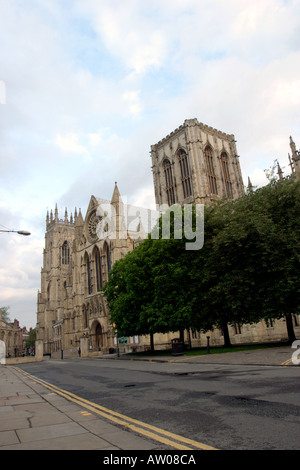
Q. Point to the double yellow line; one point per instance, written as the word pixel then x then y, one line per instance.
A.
pixel 286 363
pixel 147 430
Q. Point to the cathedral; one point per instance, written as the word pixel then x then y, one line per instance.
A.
pixel 194 164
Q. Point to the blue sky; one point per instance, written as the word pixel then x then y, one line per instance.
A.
pixel 91 85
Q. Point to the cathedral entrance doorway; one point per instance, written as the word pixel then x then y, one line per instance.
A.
pixel 99 339
pixel 97 335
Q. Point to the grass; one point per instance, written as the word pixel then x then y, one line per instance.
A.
pixel 213 350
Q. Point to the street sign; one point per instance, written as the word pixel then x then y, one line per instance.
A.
pixel 123 340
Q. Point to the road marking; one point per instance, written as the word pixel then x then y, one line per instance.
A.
pixel 150 431
pixel 286 363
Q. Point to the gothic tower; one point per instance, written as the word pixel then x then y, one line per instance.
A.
pixel 195 164
pixel 56 275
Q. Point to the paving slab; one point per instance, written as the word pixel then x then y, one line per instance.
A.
pixel 8 438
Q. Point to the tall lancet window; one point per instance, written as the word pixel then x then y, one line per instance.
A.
pixel 65 253
pixel 185 174
pixel 226 174
pixel 88 271
pixel 108 258
pixel 98 269
pixel 210 170
pixel 169 182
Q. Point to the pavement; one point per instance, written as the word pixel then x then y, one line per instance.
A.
pixel 35 417
pixel 274 356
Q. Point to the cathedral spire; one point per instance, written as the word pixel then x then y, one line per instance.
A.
pixel 56 213
pixel 295 158
pixel 250 186
pixel 117 219
pixel 291 163
pixel 79 218
pixel 116 197
pixel 279 171
pixel 293 147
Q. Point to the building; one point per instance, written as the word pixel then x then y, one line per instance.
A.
pixel 195 164
pixel 11 339
pixel 78 254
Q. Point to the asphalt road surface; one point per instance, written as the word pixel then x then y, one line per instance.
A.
pixel 226 406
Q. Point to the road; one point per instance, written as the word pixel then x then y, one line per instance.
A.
pixel 226 406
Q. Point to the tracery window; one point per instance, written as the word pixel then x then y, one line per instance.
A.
pixel 65 253
pixel 226 175
pixel 185 173
pixel 169 182
pixel 89 274
pixel 108 258
pixel 210 170
pixel 99 279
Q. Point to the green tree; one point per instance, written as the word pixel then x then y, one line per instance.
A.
pixel 147 290
pixel 30 342
pixel 252 269
pixel 128 291
pixel 5 313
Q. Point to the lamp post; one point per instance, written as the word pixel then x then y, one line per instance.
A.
pixel 20 232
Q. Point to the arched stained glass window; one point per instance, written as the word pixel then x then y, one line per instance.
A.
pixel 210 170
pixel 226 174
pixel 88 274
pixel 185 174
pixel 99 279
pixel 169 182
pixel 108 258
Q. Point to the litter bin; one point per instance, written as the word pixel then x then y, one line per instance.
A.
pixel 177 347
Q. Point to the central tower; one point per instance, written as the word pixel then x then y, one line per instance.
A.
pixel 196 164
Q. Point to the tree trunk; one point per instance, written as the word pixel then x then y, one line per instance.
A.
pixel 290 328
pixel 152 342
pixel 227 343
pixel 189 338
pixel 181 336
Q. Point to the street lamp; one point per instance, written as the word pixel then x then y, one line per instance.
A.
pixel 20 232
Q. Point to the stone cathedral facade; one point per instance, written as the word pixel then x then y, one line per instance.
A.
pixel 195 164
pixel 79 253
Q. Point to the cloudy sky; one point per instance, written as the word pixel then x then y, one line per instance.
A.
pixel 87 86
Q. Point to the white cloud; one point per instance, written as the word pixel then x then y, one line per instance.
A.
pixel 132 98
pixel 69 143
pixel 128 34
